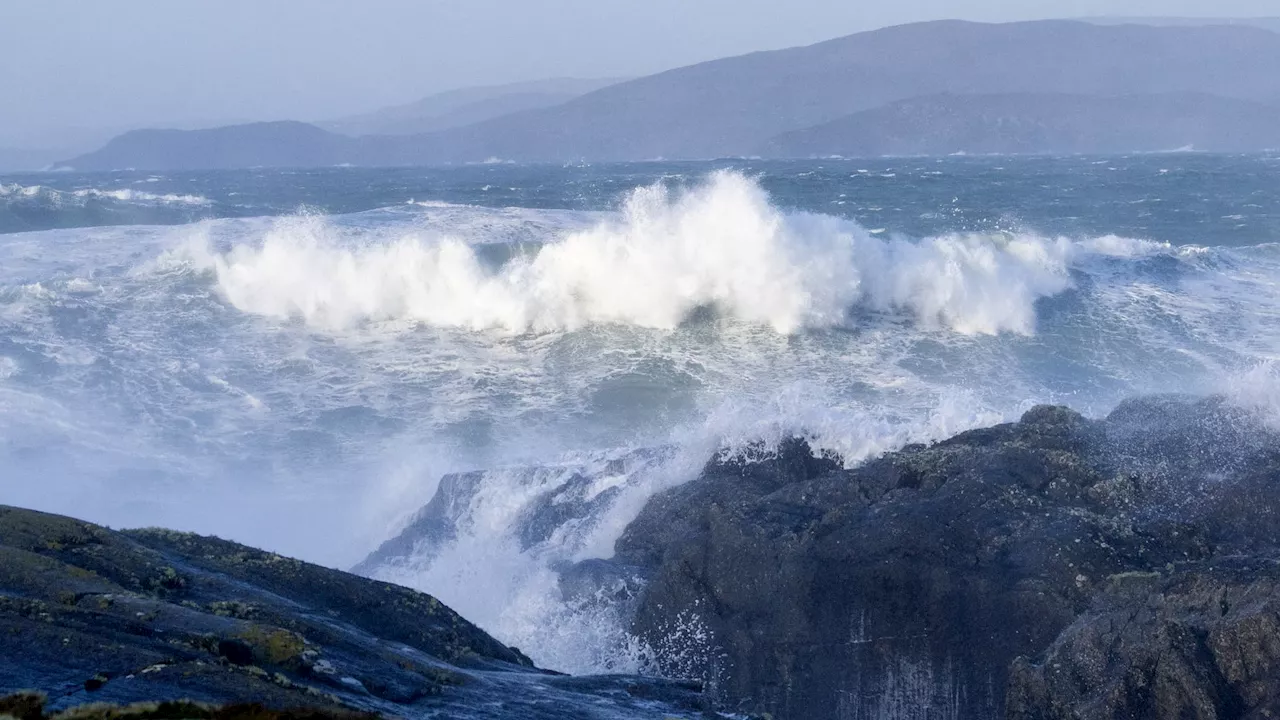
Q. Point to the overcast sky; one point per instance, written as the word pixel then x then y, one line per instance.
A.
pixel 113 63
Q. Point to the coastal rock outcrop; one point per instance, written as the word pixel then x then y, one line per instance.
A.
pixel 1056 567
pixel 89 615
pixel 938 582
pixel 1200 643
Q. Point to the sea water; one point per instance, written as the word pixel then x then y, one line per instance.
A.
pixel 294 359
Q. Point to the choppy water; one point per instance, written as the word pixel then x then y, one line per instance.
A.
pixel 293 359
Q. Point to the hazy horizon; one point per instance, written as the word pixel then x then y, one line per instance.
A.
pixel 113 65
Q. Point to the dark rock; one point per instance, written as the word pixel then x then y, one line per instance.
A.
pixel 566 494
pixel 601 581
pixel 908 587
pixel 1203 642
pixel 23 706
pixel 237 652
pixel 30 706
pixel 431 528
pixel 158 616
pixel 96 682
pixel 384 610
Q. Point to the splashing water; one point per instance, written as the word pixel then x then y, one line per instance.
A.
pixel 305 382
pixel 721 245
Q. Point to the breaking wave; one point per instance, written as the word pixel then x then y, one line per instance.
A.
pixel 304 383
pixel 721 246
pixel 38 207
pixel 514 530
pixel 39 193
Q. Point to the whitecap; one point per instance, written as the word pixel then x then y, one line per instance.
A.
pixel 721 245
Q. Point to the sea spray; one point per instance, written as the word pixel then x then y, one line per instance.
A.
pixel 721 245
pixel 303 382
pixel 511 531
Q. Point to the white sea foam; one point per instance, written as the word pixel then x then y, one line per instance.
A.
pixel 1256 389
pixel 152 392
pixel 79 197
pixel 721 245
pixel 430 203
pixel 25 191
pixel 130 195
pixel 1123 247
pixel 522 602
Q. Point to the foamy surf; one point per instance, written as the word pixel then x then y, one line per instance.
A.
pixel 721 246
pixel 14 192
pixel 304 382
pixel 499 539
pixel 41 207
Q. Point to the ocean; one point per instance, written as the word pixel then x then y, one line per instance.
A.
pixel 294 359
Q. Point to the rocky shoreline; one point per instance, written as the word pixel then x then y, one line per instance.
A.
pixel 90 615
pixel 1053 568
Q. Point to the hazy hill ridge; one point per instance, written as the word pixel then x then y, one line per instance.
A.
pixel 1022 123
pixel 754 104
pixel 466 106
pixel 1266 23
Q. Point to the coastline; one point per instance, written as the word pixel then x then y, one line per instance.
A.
pixel 1052 567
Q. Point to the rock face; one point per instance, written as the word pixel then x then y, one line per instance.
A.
pixel 558 495
pixel 1203 643
pixel 990 575
pixel 31 706
pixel 92 615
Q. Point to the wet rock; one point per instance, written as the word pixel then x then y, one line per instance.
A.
pixel 558 497
pixel 431 528
pixel 911 586
pixel 30 706
pixel 601 581
pixel 27 705
pixel 1201 642
pixel 236 651
pixel 92 615
pixel 96 682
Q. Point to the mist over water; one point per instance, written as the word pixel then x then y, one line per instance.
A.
pixel 302 380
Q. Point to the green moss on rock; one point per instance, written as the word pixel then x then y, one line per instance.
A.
pixel 273 645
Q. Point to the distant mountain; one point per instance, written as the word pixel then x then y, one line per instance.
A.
pixel 271 144
pixel 738 106
pixel 37 148
pixel 466 106
pixel 1040 123
pixel 1266 23
pixel 732 106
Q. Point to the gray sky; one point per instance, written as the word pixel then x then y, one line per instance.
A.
pixel 117 63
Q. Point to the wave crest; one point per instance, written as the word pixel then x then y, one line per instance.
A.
pixel 57 198
pixel 721 245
